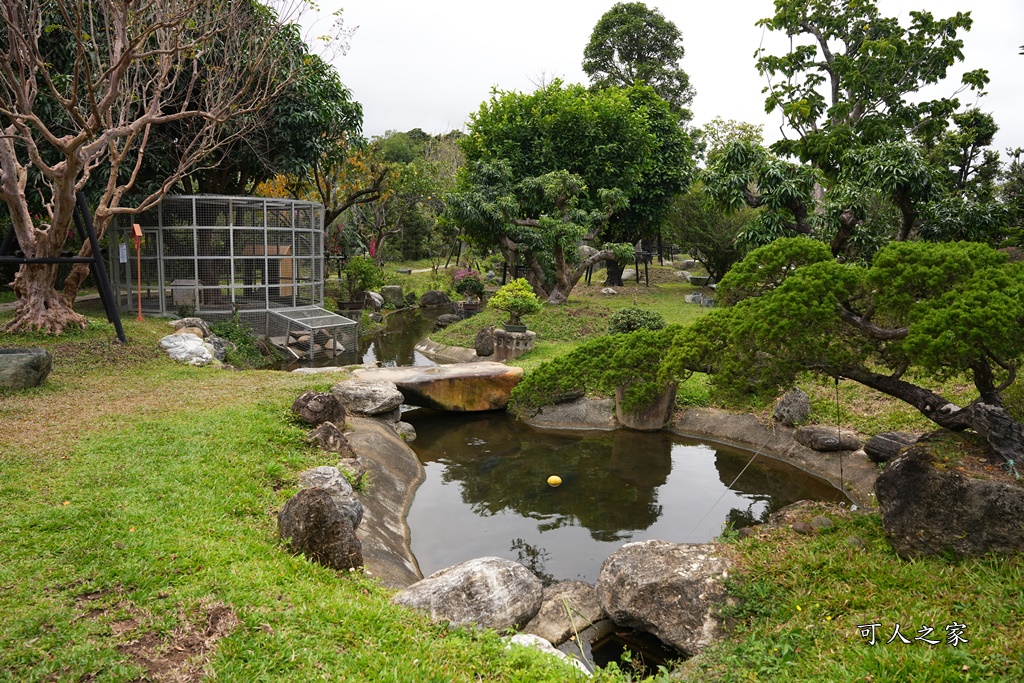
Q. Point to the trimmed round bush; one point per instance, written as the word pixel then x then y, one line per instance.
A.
pixel 633 318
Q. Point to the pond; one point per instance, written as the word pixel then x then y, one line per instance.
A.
pixel 393 345
pixel 485 492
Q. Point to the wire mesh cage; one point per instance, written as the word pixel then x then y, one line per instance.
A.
pixel 312 333
pixel 216 256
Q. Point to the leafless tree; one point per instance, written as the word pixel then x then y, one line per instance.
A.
pixel 128 66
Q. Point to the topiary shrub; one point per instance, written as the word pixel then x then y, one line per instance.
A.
pixel 517 299
pixel 633 318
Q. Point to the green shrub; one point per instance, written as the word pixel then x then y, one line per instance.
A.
pixel 361 275
pixel 633 318
pixel 246 353
pixel 517 299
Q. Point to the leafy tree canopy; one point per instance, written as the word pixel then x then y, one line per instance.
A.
pixel 633 43
pixel 881 163
pixel 852 76
pixel 548 169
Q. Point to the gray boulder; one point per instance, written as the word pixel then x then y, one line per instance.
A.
pixel 490 592
pixel 434 297
pixel 220 346
pixel 331 479
pixel 793 408
pixel 393 295
pixel 670 590
pixel 628 274
pixel 22 368
pixel 315 408
pixel 827 439
pixel 329 438
pixel 887 445
pixel 406 432
pixel 931 511
pixel 567 608
pixel 484 342
pixel 188 348
pixel 312 524
pixel 368 396
pixel 375 299
pixel 444 320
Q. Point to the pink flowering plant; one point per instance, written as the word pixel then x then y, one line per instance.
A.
pixel 468 282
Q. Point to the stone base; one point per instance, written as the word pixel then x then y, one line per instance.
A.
pixel 509 345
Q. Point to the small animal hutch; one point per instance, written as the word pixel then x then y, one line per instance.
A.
pixel 217 256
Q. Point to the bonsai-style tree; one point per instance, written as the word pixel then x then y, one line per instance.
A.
pixel 517 299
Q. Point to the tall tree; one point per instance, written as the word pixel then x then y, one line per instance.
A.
pixel 631 43
pixel 848 92
pixel 83 84
pixel 563 164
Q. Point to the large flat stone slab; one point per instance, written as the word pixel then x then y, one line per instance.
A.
pixel 459 387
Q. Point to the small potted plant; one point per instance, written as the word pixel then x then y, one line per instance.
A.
pixel 470 285
pixel 517 299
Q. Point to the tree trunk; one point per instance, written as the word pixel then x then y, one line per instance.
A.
pixel 1004 434
pixel 40 306
pixel 613 274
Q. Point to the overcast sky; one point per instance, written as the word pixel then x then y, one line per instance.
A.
pixel 429 63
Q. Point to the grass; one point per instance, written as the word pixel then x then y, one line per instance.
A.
pixel 139 504
pixel 801 600
pixel 138 529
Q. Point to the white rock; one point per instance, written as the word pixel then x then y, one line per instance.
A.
pixel 187 348
pixel 538 643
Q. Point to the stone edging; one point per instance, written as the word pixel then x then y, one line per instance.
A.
pixel 446 354
pixel 394 473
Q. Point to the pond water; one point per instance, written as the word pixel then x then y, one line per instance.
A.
pixel 485 492
pixel 395 344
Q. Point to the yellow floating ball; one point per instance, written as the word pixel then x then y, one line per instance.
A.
pixel 554 480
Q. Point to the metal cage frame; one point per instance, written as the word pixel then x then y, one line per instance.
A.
pixel 221 256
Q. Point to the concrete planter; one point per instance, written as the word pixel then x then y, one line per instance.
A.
pixel 652 417
pixel 21 368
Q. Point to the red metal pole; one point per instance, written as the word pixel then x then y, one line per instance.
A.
pixel 137 233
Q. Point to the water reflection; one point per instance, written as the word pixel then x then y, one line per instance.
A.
pixel 395 344
pixel 486 492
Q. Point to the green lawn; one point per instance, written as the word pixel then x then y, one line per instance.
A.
pixel 138 531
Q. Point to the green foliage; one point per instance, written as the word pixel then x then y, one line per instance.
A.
pixel 548 169
pixel 767 267
pixel 707 232
pixel 599 366
pixel 634 318
pixel 632 43
pixel 246 354
pixel 946 310
pixel 467 281
pixel 515 298
pixel 361 276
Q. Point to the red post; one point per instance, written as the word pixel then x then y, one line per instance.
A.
pixel 137 234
